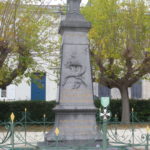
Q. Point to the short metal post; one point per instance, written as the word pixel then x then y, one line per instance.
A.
pixel 116 132
pixel 25 126
pixel 147 139
pixel 99 114
pixel 44 117
pixel 57 134
pixel 12 117
pixel 12 136
pixel 132 115
pixel 56 141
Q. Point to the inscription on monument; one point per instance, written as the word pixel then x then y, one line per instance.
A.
pixel 75 96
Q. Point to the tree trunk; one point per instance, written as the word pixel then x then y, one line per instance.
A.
pixel 125 105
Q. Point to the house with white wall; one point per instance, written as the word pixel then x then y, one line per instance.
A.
pixel 31 91
pixel 28 89
pixel 49 91
pixel 139 90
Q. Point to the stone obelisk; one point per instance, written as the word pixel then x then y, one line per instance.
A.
pixel 75 113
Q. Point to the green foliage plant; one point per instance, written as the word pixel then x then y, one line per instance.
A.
pixel 36 109
pixel 119 44
pixel 27 39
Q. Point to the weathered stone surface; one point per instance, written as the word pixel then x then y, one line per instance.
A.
pixel 75 113
pixel 75 126
pixel 77 147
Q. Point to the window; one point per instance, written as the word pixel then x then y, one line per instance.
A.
pixel 136 90
pixel 38 86
pixel 3 92
pixel 103 91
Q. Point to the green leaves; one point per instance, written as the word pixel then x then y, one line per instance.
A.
pixel 27 31
pixel 120 31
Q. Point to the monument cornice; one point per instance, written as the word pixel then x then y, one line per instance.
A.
pixel 74 19
pixel 75 25
pixel 71 109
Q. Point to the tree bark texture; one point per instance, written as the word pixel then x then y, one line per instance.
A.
pixel 125 104
pixel 21 67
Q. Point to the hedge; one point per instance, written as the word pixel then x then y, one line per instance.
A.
pixel 36 109
pixel 141 108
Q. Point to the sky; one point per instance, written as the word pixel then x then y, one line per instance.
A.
pixel 56 2
pixel 51 2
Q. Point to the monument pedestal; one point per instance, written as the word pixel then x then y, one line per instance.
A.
pixel 74 125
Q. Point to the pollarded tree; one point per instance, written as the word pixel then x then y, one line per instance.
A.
pixel 120 44
pixel 25 31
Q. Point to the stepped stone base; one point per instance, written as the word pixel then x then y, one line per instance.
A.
pixel 77 129
pixel 74 125
pixel 78 145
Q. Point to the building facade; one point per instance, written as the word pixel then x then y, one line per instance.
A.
pixel 139 90
pixel 46 87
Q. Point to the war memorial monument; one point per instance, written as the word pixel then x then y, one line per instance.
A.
pixel 75 113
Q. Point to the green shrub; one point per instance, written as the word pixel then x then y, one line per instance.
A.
pixel 141 108
pixel 36 109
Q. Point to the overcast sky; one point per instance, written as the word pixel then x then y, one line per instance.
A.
pixel 50 2
pixel 56 2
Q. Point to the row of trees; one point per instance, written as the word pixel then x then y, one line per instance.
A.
pixel 119 42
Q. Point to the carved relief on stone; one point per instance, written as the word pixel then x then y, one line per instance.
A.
pixel 75 70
